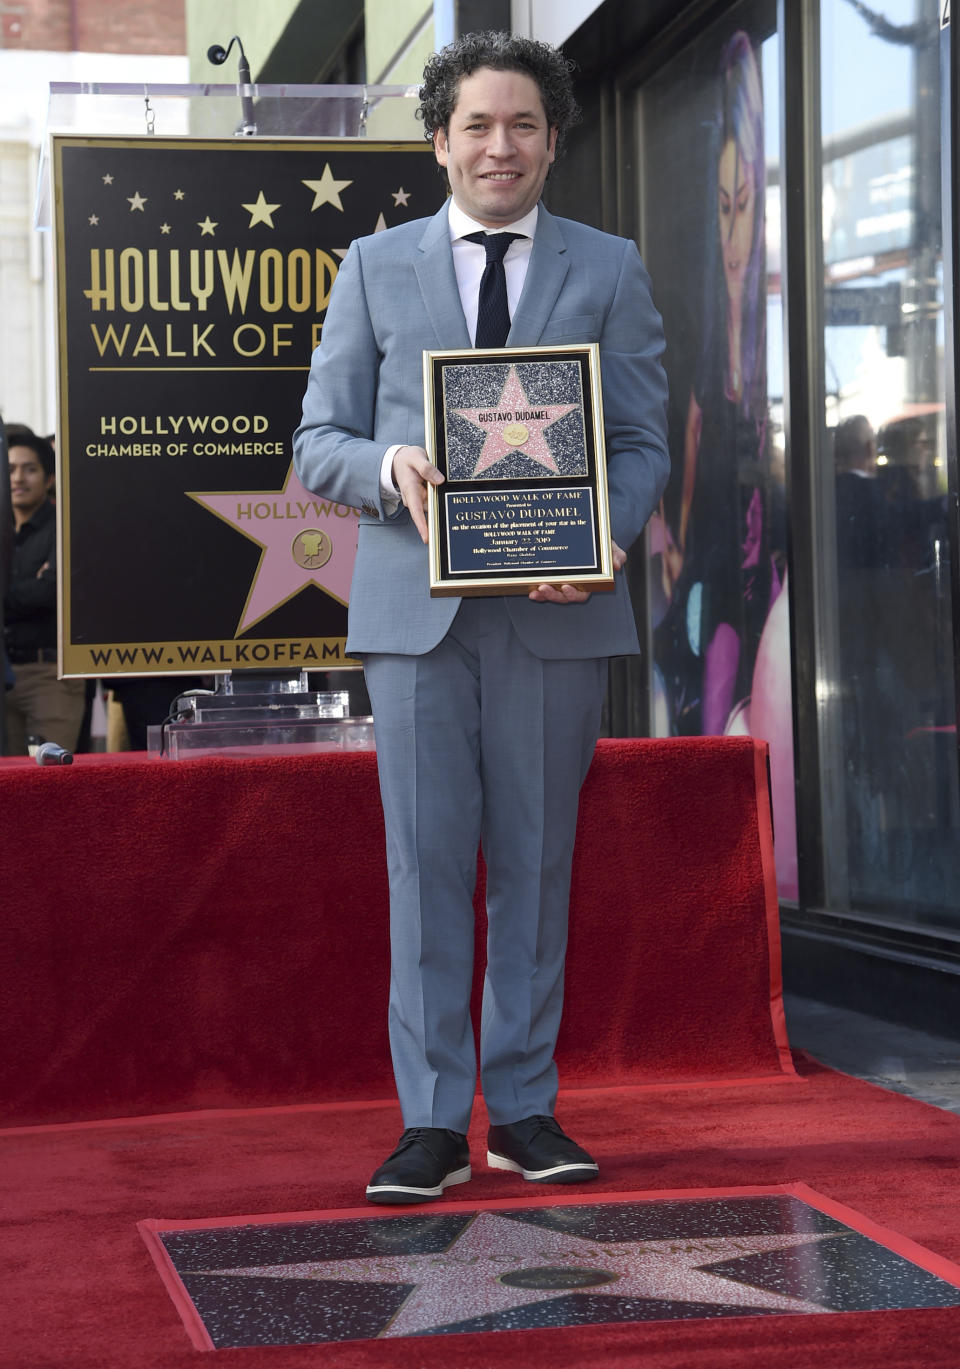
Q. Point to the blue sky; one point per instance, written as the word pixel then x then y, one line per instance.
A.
pixel 863 77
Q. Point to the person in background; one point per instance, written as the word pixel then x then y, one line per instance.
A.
pixel 6 558
pixel 859 495
pixel 38 704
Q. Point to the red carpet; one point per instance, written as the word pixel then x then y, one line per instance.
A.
pixel 80 1289
pixel 212 934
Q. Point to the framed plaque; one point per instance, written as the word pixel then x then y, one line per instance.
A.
pixel 518 436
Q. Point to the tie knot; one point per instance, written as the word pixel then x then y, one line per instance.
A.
pixel 494 244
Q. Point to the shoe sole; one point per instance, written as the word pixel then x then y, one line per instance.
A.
pixel 399 1193
pixel 557 1174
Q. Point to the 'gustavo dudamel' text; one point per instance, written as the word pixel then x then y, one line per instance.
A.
pixel 553 512
pixel 269 281
pixel 508 506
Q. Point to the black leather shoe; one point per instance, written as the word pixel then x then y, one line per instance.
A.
pixel 540 1151
pixel 426 1161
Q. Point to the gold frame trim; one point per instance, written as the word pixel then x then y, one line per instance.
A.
pixel 600 579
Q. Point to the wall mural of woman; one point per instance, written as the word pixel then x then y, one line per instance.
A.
pixel 721 536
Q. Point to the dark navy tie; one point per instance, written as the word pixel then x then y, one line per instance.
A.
pixel 493 316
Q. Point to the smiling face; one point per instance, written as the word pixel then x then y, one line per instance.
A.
pixel 498 147
pixel 29 483
pixel 735 216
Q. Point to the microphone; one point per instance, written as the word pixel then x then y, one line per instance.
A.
pixel 49 753
pixel 218 54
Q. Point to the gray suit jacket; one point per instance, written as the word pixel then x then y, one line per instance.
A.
pixel 396 296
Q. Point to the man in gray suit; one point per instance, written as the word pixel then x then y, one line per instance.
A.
pixel 486 710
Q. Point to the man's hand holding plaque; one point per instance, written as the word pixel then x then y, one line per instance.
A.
pixel 413 472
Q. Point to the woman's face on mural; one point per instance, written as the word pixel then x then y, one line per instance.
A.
pixel 735 214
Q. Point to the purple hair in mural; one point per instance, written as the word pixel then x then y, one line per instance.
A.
pixel 740 127
pixel 724 579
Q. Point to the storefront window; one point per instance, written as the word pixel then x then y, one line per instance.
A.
pixel 886 678
pixel 709 129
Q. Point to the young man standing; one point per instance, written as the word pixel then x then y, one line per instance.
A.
pixel 486 710
pixel 38 704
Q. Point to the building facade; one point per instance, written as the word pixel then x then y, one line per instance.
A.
pixel 788 168
pixel 41 42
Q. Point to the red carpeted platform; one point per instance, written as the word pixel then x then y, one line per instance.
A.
pixel 213 933
pixel 182 938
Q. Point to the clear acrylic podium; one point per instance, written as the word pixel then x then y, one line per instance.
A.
pixel 263 713
pixel 386 113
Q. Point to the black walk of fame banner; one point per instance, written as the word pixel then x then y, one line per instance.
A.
pixel 193 280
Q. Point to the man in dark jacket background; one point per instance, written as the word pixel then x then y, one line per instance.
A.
pixel 38 704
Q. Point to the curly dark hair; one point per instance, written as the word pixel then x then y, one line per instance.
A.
pixel 500 52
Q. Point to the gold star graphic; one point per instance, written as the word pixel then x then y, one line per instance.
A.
pixel 206 227
pixel 400 196
pixel 381 224
pixel 178 194
pixel 327 190
pixel 260 211
pixel 136 201
pixel 164 228
pixel 93 221
pixel 108 179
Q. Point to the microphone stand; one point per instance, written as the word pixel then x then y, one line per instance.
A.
pixel 218 55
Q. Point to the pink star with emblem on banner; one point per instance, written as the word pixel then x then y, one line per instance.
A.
pixel 304 540
pixel 514 424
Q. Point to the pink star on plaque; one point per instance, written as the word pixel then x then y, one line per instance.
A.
pixel 305 540
pixel 513 424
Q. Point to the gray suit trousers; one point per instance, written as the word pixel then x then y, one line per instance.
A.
pixel 479 741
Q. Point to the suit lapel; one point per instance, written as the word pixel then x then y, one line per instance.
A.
pixel 438 284
pixel 546 273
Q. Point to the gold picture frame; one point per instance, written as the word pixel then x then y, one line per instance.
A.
pixel 518 435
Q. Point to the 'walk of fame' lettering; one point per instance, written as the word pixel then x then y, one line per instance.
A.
pixel 248 339
pixel 146 342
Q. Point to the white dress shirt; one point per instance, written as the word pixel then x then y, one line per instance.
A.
pixel 469 259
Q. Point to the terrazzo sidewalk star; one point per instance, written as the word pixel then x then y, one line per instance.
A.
pixel 502 1268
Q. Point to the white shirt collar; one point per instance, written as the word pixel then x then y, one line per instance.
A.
pixel 461 224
